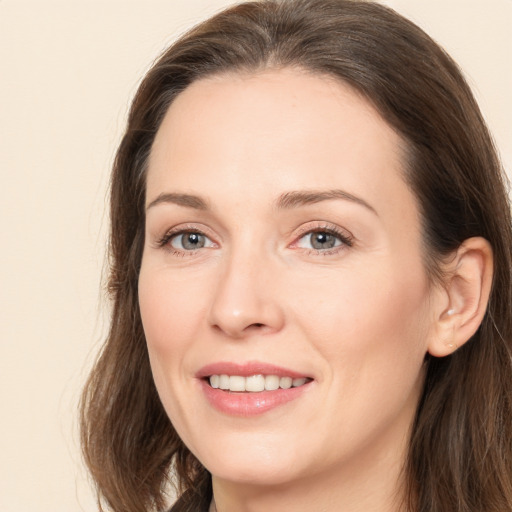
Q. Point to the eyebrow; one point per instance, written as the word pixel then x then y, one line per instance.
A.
pixel 286 201
pixel 186 200
pixel 305 197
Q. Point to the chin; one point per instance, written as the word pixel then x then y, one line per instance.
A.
pixel 263 464
pixel 254 473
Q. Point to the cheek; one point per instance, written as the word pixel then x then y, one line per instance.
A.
pixel 371 320
pixel 169 308
pixel 170 313
pixel 372 331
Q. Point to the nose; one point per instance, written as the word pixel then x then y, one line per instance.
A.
pixel 245 301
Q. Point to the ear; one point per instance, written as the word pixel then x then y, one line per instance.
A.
pixel 465 296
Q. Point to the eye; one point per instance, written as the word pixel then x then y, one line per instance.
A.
pixel 322 240
pixel 189 241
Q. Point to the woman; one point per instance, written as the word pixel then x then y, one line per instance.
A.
pixel 310 275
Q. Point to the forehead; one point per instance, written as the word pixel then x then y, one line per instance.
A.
pixel 276 130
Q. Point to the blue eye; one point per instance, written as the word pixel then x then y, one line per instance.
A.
pixel 189 241
pixel 322 240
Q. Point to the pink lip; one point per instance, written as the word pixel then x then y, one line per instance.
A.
pixel 248 404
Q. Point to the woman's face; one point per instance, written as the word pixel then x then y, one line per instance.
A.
pixel 283 248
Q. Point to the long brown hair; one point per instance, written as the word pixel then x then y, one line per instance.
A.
pixel 460 453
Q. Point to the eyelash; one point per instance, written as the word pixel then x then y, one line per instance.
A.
pixel 345 239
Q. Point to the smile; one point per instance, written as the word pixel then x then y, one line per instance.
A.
pixel 251 388
pixel 254 383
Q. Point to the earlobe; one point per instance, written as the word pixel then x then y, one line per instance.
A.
pixel 467 286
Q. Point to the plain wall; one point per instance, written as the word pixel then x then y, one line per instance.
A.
pixel 68 71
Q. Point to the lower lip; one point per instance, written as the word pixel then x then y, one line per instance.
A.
pixel 250 404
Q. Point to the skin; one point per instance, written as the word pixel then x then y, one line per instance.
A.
pixel 358 318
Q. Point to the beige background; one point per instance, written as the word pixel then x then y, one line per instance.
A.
pixel 68 70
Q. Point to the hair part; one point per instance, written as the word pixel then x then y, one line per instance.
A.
pixel 460 454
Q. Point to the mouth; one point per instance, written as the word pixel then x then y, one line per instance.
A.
pixel 252 388
pixel 254 383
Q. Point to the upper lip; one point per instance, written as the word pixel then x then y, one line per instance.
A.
pixel 247 369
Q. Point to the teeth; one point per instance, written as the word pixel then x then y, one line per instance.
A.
pixel 224 381
pixel 236 383
pixel 271 382
pixel 285 382
pixel 214 381
pixel 254 383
